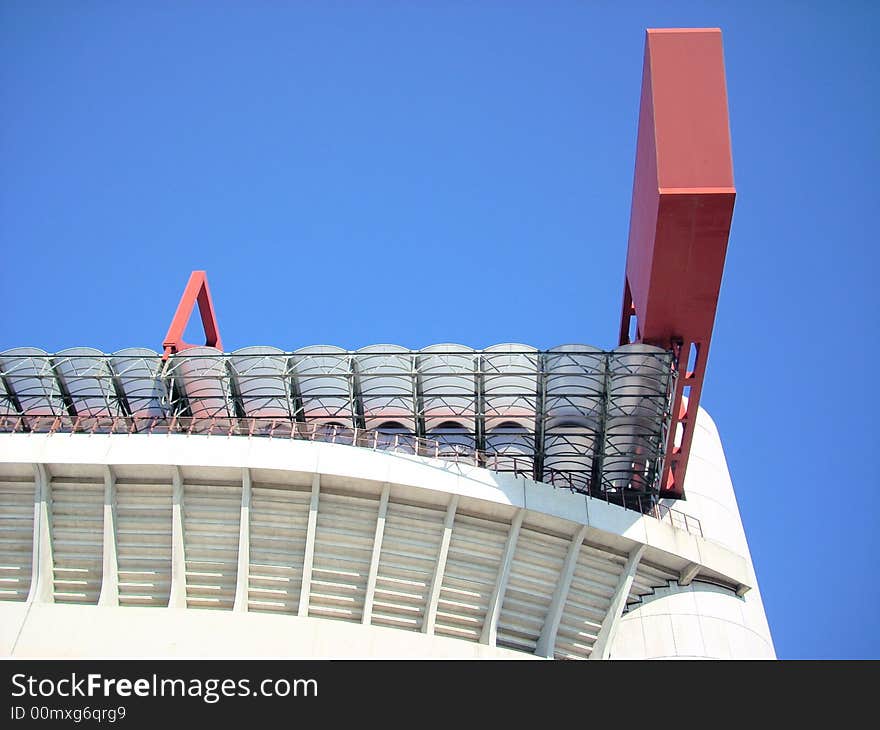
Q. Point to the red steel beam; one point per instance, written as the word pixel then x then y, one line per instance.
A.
pixel 682 206
pixel 196 292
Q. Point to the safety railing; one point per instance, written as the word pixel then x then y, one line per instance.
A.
pixel 518 465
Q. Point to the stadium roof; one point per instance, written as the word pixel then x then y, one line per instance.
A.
pixel 573 416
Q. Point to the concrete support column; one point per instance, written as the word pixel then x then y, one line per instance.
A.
pixel 242 577
pixel 547 639
pixel 177 599
pixel 309 557
pixel 374 559
pixel 688 573
pixel 110 570
pixel 490 626
pixel 440 568
pixel 602 647
pixel 42 588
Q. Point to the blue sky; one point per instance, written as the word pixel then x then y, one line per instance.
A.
pixel 411 173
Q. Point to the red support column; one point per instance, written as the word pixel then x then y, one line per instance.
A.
pixel 682 206
pixel 196 292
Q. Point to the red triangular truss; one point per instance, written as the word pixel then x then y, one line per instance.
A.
pixel 196 291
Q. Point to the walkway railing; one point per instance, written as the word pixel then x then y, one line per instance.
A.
pixel 519 465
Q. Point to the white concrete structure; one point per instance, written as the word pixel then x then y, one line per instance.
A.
pixel 690 618
pixel 209 545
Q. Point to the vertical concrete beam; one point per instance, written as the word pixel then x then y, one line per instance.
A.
pixel 42 588
pixel 110 569
pixel 547 639
pixel 177 599
pixel 602 647
pixel 440 568
pixel 688 573
pixel 490 625
pixel 374 560
pixel 309 556
pixel 244 544
pixel 35 539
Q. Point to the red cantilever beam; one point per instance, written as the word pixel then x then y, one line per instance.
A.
pixel 196 292
pixel 682 207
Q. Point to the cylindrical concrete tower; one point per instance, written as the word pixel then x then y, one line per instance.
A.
pixel 694 618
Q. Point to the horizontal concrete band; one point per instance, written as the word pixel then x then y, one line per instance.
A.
pixel 69 631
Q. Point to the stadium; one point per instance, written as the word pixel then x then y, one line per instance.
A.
pixel 446 502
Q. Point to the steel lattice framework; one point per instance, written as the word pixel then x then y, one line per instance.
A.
pixel 573 416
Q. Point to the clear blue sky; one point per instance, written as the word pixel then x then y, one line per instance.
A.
pixel 390 172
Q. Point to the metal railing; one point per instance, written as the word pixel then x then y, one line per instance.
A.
pixel 518 465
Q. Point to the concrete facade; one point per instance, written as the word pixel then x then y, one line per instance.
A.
pixel 700 620
pixel 174 545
